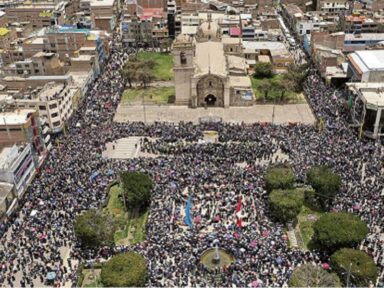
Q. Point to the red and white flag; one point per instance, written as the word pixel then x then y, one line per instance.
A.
pixel 239 205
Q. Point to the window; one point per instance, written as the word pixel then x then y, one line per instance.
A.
pixel 42 108
pixel 54 115
pixel 53 106
pixel 210 83
pixel 183 58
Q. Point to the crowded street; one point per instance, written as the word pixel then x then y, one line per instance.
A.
pixel 39 238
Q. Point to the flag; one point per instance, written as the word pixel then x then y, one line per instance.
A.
pixel 238 213
pixel 188 219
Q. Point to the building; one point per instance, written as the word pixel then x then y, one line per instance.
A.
pixel 41 63
pixel 209 71
pixel 39 14
pixel 103 14
pixel 332 6
pixel 271 51
pixel 329 40
pixel 8 199
pixel 23 127
pixel 17 166
pixel 368 108
pixel 54 101
pixel 366 66
pixel 357 24
pixel 354 42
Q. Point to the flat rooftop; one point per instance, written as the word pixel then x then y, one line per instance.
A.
pixel 368 60
pixel 16 117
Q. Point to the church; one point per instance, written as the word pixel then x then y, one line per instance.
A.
pixel 210 70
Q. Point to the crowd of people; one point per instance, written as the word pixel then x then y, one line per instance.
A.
pixel 39 238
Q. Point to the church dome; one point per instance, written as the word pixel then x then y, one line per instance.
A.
pixel 209 30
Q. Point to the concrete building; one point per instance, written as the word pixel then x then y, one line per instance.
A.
pixel 366 66
pixel 103 14
pixel 54 101
pixel 355 42
pixel 17 166
pixel 368 108
pixel 39 64
pixel 23 127
pixel 357 24
pixel 8 200
pixel 40 14
pixel 210 71
pixel 332 6
pixel 271 51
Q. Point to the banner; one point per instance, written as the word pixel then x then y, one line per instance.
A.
pixel 188 218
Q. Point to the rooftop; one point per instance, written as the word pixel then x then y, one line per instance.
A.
pixel 16 117
pixel 210 58
pixel 5 189
pixel 368 60
pixel 364 36
pixel 97 3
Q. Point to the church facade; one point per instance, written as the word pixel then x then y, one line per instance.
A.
pixel 210 70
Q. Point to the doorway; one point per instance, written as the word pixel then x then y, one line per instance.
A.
pixel 210 100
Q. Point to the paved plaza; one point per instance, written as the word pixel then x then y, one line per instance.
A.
pixel 259 113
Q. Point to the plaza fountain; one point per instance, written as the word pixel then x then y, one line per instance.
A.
pixel 214 258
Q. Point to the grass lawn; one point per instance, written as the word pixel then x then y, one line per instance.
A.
pixel 273 93
pixel 164 64
pixel 96 283
pixel 306 218
pixel 152 95
pixel 132 225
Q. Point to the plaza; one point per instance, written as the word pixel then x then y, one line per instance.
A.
pixel 278 114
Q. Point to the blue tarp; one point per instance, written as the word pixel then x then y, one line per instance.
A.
pixel 188 219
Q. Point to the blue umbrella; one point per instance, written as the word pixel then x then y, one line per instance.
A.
pixel 279 260
pixel 51 276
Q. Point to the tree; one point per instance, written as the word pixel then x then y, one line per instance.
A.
pixel 283 85
pixel 145 76
pixel 333 231
pixel 285 205
pixel 359 264
pixel 136 188
pixel 325 182
pixel 263 70
pixel 309 275
pixel 279 177
pixel 297 74
pixel 264 86
pixel 129 74
pixel 125 270
pixel 95 229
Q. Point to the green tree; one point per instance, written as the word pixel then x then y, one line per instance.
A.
pixel 263 70
pixel 264 86
pixel 94 228
pixel 145 76
pixel 359 264
pixel 125 270
pixel 279 177
pixel 297 74
pixel 333 231
pixel 325 182
pixel 136 189
pixel 285 205
pixel 309 275
pixel 283 85
pixel 129 74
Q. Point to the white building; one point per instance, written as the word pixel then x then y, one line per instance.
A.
pixel 17 166
pixel 54 103
pixel 366 66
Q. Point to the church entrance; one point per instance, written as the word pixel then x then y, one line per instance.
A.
pixel 210 100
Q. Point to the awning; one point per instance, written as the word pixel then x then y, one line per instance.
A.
pixel 47 138
pixel 45 130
